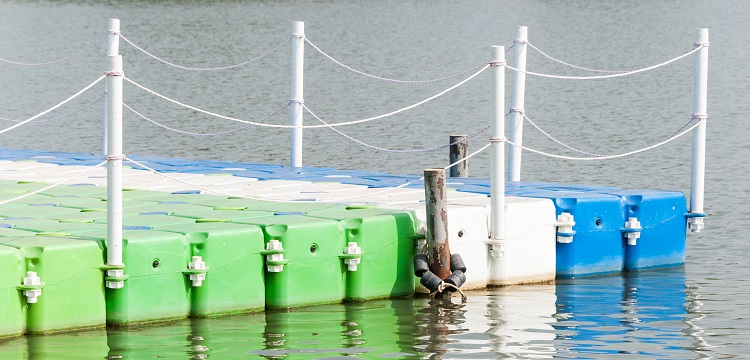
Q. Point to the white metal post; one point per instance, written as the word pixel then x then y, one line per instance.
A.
pixel 497 154
pixel 114 167
pixel 698 172
pixel 516 105
pixel 298 58
pixel 113 48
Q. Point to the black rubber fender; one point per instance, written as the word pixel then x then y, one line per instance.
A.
pixel 430 281
pixel 457 263
pixel 421 264
pixel 457 278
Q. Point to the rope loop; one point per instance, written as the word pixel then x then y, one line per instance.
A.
pixel 298 36
pixel 114 157
pixel 496 63
pixel 114 73
pixel 500 139
pixel 297 101
pixel 112 32
pixel 700 116
pixel 267 53
pixel 443 286
pixel 702 44
pixel 520 111
pixel 524 42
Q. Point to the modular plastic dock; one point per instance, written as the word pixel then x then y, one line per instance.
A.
pixel 289 237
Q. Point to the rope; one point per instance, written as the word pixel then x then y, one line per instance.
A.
pixel 560 142
pixel 610 75
pixel 610 156
pixel 574 66
pixel 392 150
pixel 310 126
pixel 269 52
pixel 56 61
pixel 468 157
pixel 54 107
pixel 204 134
pixel 53 185
pixel 388 79
pixel 63 116
pixel 412 181
pixel 445 285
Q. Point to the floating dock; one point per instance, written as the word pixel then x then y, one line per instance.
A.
pixel 289 237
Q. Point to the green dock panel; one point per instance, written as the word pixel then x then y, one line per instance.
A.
pixel 72 295
pixel 385 238
pixel 156 288
pixel 19 187
pixel 39 210
pixel 221 213
pixel 313 272
pixel 48 227
pixel 234 281
pixel 174 207
pixel 153 220
pixel 12 309
pixel 272 206
pixel 90 191
pixel 9 232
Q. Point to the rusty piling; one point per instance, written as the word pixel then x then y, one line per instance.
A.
pixel 459 149
pixel 436 203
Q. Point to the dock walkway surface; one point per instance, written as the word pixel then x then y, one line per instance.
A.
pixel 206 238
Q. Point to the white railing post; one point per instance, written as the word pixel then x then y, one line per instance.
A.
pixel 497 154
pixel 114 165
pixel 516 105
pixel 298 58
pixel 695 221
pixel 113 48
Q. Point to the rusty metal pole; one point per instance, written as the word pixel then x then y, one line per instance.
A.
pixel 436 202
pixel 459 151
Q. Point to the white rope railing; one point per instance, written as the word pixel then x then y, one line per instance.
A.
pixel 389 79
pixel 310 126
pixel 85 107
pixel 55 184
pixel 556 140
pixel 595 155
pixel 53 62
pixel 54 107
pixel 204 134
pixel 608 157
pixel 571 65
pixel 386 190
pixel 698 47
pixel 269 52
pixel 391 150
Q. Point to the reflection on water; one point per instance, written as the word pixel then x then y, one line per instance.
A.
pixel 642 313
pixel 645 314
